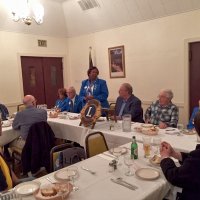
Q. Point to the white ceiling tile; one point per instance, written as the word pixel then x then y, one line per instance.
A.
pixel 145 9
pixel 65 17
pixel 133 10
pixel 171 6
pixel 157 8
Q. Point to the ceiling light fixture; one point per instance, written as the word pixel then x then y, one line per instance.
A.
pixel 27 11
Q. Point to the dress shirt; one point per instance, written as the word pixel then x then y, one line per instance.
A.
pixel 167 114
pixel 122 108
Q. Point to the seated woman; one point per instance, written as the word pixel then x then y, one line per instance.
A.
pixel 194 112
pixel 186 176
pixel 62 102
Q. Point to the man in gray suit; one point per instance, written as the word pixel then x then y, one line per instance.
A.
pixel 24 119
pixel 127 103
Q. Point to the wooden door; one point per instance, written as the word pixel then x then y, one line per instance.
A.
pixel 53 79
pixel 194 75
pixel 42 77
pixel 33 81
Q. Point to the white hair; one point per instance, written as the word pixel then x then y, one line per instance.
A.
pixel 169 94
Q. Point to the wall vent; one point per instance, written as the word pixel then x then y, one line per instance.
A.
pixel 88 4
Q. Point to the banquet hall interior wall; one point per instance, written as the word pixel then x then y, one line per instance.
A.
pixel 155 58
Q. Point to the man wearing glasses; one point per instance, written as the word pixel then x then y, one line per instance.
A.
pixel 163 112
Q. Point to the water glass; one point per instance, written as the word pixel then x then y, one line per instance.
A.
pixel 73 174
pixel 126 123
pixel 147 146
pixel 157 142
pixel 128 161
pixel 180 127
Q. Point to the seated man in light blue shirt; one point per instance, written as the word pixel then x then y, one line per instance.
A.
pixel 74 102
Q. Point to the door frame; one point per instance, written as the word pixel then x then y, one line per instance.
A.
pixel 186 75
pixel 40 55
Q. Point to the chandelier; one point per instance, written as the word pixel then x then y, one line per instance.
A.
pixel 27 11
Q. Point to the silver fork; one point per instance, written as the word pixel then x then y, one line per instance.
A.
pixel 89 170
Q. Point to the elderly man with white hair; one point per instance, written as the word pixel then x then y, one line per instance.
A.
pixel 74 102
pixel 163 112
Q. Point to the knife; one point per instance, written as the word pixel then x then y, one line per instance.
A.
pixel 120 179
pixel 122 183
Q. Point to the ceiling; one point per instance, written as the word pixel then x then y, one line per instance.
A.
pixel 65 18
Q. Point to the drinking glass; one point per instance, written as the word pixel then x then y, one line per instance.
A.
pixel 73 174
pixel 147 146
pixel 126 123
pixel 157 142
pixel 180 127
pixel 128 161
pixel 117 151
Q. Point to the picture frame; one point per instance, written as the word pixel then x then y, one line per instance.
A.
pixel 116 62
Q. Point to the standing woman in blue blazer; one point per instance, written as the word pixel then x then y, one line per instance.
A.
pixel 94 88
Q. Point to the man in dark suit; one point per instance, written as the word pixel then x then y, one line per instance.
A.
pixel 127 103
pixel 187 175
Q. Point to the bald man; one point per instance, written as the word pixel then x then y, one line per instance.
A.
pixel 24 119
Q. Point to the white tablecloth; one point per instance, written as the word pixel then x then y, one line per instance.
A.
pixel 70 129
pixel 99 186
pixel 8 135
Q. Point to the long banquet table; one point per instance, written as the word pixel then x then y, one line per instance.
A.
pixel 70 129
pixel 99 186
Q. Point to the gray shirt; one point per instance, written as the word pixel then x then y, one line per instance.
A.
pixel 24 119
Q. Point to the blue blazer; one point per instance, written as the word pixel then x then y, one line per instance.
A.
pixel 190 125
pixel 77 107
pixel 100 91
pixel 133 107
pixel 61 104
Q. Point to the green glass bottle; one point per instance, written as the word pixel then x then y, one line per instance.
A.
pixel 134 148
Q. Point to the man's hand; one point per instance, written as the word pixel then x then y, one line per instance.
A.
pixel 162 125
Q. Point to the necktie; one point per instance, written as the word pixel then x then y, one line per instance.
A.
pixel 122 108
pixel 71 109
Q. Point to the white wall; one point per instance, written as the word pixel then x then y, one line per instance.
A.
pixel 155 57
pixel 13 45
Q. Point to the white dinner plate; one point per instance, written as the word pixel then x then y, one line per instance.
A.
pixel 64 175
pixel 147 125
pixel 171 131
pixel 27 188
pixel 6 124
pixel 147 173
pixel 123 150
pixel 155 162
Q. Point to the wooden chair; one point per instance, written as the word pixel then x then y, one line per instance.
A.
pixel 112 106
pixel 55 153
pixel 20 107
pixel 95 144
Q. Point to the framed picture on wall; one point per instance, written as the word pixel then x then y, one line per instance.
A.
pixel 116 62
